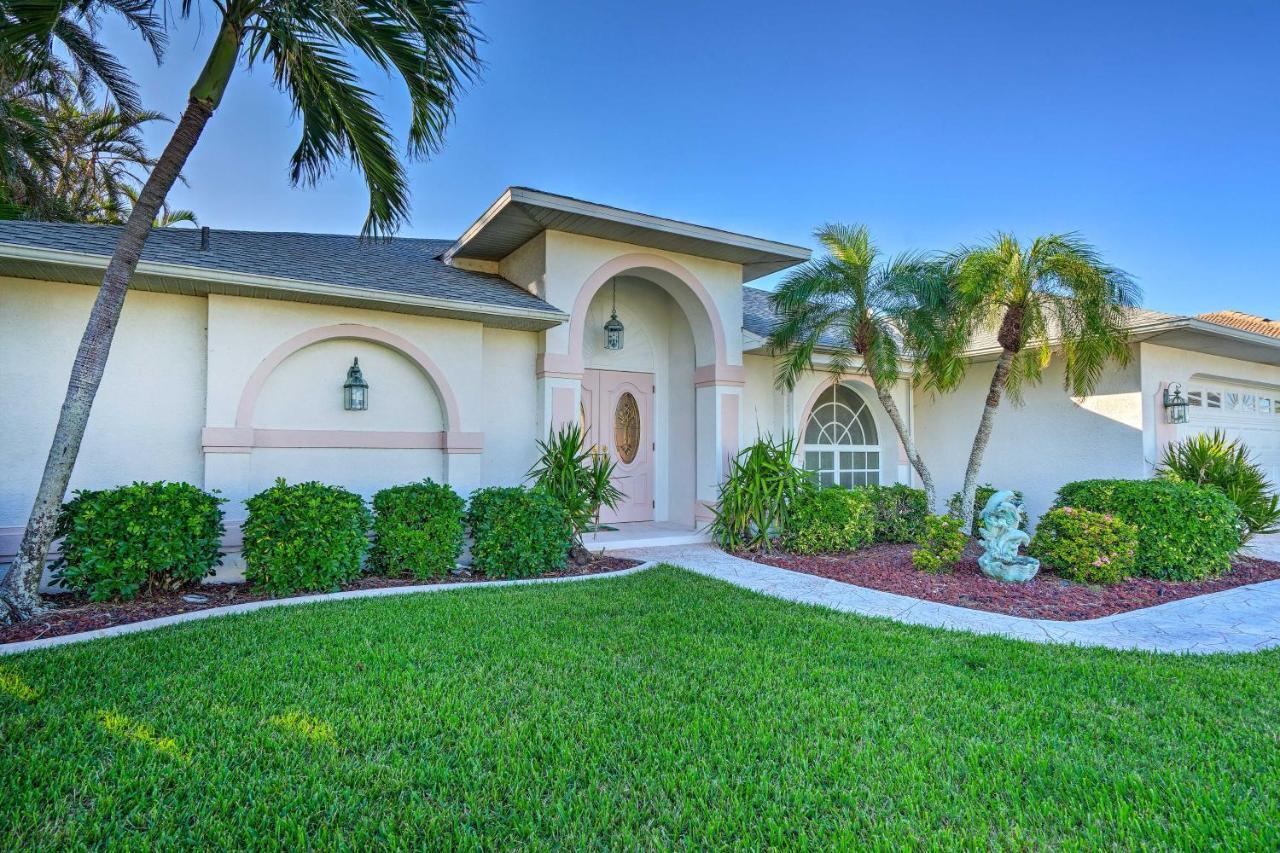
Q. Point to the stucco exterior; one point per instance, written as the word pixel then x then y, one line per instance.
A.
pixel 1036 447
pixel 230 387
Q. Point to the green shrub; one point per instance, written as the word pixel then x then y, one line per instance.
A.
pixel 1185 532
pixel 518 532
pixel 305 536
pixel 417 530
pixel 981 496
pixel 1085 546
pixel 830 520
pixel 580 478
pixel 942 541
pixel 754 503
pixel 149 536
pixel 1214 460
pixel 900 512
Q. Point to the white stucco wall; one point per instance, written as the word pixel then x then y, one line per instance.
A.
pixel 1051 440
pixel 763 405
pixel 304 393
pixel 1196 370
pixel 510 406
pixel 146 420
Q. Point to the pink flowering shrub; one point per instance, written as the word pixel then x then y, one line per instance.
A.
pixel 1085 546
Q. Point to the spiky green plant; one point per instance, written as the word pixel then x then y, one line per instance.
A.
pixel 578 476
pixel 1054 294
pixel 1214 459
pixel 755 500
pixel 853 308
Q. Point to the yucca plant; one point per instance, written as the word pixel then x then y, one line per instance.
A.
pixel 578 476
pixel 756 498
pixel 1213 459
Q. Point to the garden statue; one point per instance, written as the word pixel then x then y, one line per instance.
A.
pixel 1001 538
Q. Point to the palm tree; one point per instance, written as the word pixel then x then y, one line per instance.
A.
pixel 1057 292
pixel 431 45
pixel 166 217
pixel 855 308
pixel 101 159
pixel 34 30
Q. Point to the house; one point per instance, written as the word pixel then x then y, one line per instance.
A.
pixel 229 365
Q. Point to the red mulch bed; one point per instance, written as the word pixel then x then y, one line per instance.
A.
pixel 73 613
pixel 1048 596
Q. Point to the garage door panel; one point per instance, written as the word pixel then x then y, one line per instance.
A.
pixel 1247 414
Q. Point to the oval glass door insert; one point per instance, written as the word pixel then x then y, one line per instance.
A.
pixel 626 428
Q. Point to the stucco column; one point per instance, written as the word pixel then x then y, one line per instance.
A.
pixel 718 404
pixel 559 392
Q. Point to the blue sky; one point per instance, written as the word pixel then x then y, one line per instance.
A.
pixel 1151 127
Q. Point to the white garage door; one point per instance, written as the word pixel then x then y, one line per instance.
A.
pixel 1248 414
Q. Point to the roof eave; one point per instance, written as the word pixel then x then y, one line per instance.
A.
pixel 216 280
pixel 1153 331
pixel 772 256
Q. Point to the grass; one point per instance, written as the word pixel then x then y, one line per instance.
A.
pixel 657 710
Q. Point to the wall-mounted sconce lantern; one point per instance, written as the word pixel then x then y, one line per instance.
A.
pixel 1175 405
pixel 613 326
pixel 355 391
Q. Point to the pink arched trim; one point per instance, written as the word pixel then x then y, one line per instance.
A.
pixel 618 266
pixel 253 388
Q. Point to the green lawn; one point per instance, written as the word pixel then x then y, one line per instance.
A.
pixel 657 710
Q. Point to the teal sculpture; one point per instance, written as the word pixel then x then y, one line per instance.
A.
pixel 1001 538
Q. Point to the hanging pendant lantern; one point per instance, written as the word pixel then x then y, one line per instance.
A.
pixel 613 326
pixel 355 391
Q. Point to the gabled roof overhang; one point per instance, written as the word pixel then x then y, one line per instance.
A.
pixel 520 214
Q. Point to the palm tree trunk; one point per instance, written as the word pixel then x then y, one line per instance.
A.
pixel 19 593
pixel 998 380
pixel 908 442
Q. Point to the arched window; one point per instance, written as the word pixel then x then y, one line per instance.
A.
pixel 840 442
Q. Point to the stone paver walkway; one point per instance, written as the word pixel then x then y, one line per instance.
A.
pixel 1244 619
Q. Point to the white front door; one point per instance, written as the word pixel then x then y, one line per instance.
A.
pixel 617 415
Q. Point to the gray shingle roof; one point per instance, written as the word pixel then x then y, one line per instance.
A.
pixel 759 318
pixel 404 265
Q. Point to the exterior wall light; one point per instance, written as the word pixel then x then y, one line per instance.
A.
pixel 355 391
pixel 613 326
pixel 1175 405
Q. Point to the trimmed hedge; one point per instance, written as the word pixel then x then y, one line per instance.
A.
pixel 900 512
pixel 830 520
pixel 1086 546
pixel 1185 532
pixel 121 541
pixel 417 530
pixel 518 533
pixel 981 495
pixel 305 536
pixel 942 542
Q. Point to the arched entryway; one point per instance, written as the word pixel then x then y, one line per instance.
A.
pixel 666 406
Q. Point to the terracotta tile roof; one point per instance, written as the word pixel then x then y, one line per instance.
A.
pixel 1246 322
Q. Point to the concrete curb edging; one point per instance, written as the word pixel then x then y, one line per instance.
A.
pixel 1241 619
pixel 251 606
